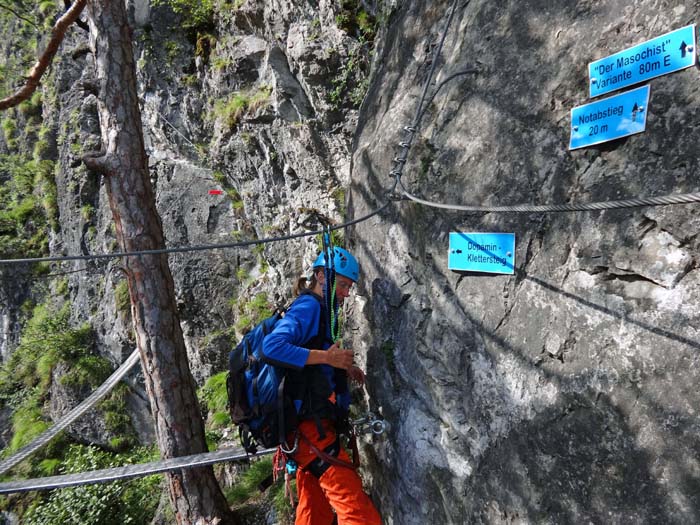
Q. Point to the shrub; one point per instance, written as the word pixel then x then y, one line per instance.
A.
pixel 116 503
pixel 9 129
pixel 122 298
pixel 213 393
pixel 25 378
pixel 117 420
pixel 197 15
pixel 232 108
pixel 23 218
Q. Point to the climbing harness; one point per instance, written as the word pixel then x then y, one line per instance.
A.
pixel 329 455
pixel 282 463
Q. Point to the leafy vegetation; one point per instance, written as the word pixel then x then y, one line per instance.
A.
pixel 215 398
pixel 339 198
pixel 27 22
pixel 9 129
pixel 245 492
pixel 387 349
pixel 351 84
pixel 247 486
pixel 213 393
pixel 117 420
pixel 252 312
pixel 197 15
pixel 231 192
pixel 47 340
pixel 114 503
pixel 233 107
pixel 24 218
pixel 122 298
pixel 27 423
pixel 242 274
pixel 356 21
pixel 25 378
pixel 337 239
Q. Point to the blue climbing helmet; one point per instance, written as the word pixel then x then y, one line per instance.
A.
pixel 343 263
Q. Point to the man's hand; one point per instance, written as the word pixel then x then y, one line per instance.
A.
pixel 339 357
pixel 335 356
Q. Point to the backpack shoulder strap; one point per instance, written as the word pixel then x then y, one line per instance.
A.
pixel 320 337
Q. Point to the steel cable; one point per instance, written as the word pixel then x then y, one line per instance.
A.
pixel 188 461
pixel 129 471
pixel 665 200
pixel 183 249
pixel 74 414
pixel 400 161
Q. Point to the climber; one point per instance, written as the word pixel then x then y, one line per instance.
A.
pixel 306 343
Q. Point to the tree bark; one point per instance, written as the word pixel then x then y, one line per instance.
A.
pixel 194 493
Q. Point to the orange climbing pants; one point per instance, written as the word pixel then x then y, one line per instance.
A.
pixel 339 488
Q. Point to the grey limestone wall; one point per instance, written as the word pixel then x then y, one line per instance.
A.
pixel 563 393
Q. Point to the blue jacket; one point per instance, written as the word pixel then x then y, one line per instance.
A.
pixel 287 345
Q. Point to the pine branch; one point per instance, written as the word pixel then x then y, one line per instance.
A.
pixel 9 9
pixel 81 24
pixel 34 77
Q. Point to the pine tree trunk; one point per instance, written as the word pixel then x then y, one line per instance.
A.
pixel 194 493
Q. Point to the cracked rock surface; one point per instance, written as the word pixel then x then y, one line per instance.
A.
pixel 565 392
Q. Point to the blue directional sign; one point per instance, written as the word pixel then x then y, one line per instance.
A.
pixel 482 252
pixel 662 55
pixel 610 118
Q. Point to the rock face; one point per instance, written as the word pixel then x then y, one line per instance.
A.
pixel 258 103
pixel 563 393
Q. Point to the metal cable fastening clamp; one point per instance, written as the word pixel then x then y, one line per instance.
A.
pixel 369 424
